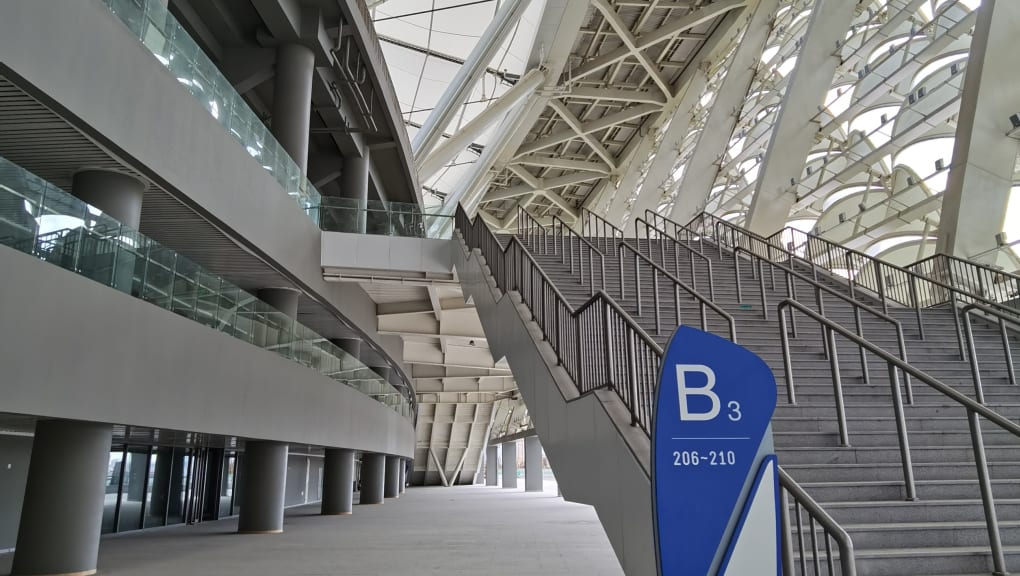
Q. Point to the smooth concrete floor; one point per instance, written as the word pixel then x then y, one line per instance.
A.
pixel 463 530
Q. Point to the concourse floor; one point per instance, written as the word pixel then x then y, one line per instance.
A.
pixel 464 530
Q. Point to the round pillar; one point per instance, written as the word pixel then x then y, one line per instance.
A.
pixel 117 195
pixel 350 345
pixel 62 512
pixel 403 475
pixel 292 101
pixel 373 478
pixel 338 482
pixel 393 464
pixel 265 481
pixel 492 466
pixel 283 299
pixel 354 185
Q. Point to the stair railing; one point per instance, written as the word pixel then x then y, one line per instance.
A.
pixel 975 410
pixel 626 360
pixel 692 252
pixel 769 249
pixel 604 232
pixel 514 269
pixel 931 282
pixel 989 283
pixel 563 244
pixel 817 518
pixel 791 292
pixel 975 368
pixel 704 304
pixel 681 232
pixel 533 234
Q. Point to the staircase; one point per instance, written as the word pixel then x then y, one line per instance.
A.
pixel 926 517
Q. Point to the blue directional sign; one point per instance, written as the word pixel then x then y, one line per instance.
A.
pixel 715 480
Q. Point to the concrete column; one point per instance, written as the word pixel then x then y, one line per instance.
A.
pixel 283 299
pixel 292 100
pixel 532 464
pixel 338 482
pixel 981 175
pixel 354 185
pixel 373 478
pixel 384 372
pixel 793 134
pixel 350 345
pixel 62 512
pixel 491 466
pixel 393 464
pixel 403 476
pixel 265 482
pixel 117 195
pixel 510 464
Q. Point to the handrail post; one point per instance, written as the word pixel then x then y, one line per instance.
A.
pixel 901 434
pixel 608 347
pixel 787 537
pixel 837 389
pixel 1009 353
pixel 784 338
pixel 761 286
pixel 975 369
pixel 633 384
pixel 917 305
pixel 956 323
pixel 864 354
pixel 987 497
pixel 655 300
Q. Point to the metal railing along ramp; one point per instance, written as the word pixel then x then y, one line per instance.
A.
pixel 896 420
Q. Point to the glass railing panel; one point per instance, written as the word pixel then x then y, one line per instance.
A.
pixel 171 45
pixel 382 219
pixel 46 222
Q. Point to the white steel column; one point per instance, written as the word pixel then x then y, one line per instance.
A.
pixel 981 175
pixel 448 150
pixel 456 93
pixel 703 167
pixel 794 132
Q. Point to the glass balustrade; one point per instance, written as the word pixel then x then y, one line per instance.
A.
pixel 162 35
pixel 381 218
pixel 40 219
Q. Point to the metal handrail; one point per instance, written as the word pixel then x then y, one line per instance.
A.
pixel 972 274
pixel 939 292
pixel 975 368
pixel 591 221
pixel 677 286
pixel 638 401
pixel 791 292
pixel 677 226
pixel 561 248
pixel 974 409
pixel 830 528
pixel 531 230
pixel 676 253
pixel 570 331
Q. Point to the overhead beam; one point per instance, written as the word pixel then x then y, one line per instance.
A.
pixel 467 76
pixel 582 129
pixel 702 15
pixel 616 95
pixel 563 164
pixel 621 30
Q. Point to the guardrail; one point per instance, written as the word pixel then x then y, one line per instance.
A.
pixel 662 236
pixel 627 361
pixel 581 247
pixel 974 408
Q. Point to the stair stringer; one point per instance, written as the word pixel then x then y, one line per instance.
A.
pixel 598 457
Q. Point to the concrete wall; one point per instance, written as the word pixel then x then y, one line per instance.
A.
pixel 14 455
pixel 90 68
pixel 84 351
pixel 598 458
pixel 389 253
pixel 304 479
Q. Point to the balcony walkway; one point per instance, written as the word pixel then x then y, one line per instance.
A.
pixel 449 531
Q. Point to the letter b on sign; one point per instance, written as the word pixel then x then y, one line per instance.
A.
pixel 685 391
